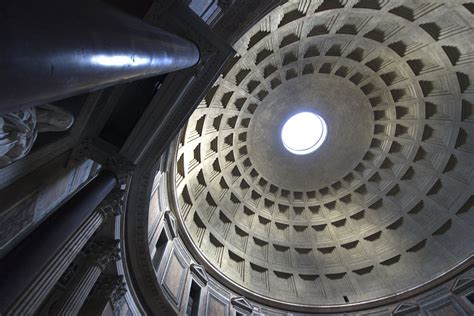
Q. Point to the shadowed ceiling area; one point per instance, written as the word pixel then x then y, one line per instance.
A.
pixel 386 203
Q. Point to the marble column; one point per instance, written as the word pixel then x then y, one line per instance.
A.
pixel 56 49
pixel 101 253
pixel 109 289
pixel 31 270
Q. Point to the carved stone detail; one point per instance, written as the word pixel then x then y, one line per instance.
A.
pixel 112 205
pixel 18 130
pixel 405 308
pixel 121 166
pixel 239 17
pixel 118 294
pixel 103 251
pixel 171 223
pixel 100 152
pixel 461 284
pixel 110 286
pixel 241 304
pixel 200 273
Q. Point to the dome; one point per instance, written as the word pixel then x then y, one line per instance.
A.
pixel 380 207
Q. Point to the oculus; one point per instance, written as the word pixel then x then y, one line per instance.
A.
pixel 304 133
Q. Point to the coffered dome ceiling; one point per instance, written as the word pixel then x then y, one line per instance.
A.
pixel 385 204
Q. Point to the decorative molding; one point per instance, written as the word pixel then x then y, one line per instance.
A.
pixel 461 284
pixel 239 18
pixel 174 287
pixel 241 304
pixel 104 154
pixel 103 251
pixel 118 293
pixel 47 152
pixel 171 224
pixel 405 308
pixel 215 298
pixel 200 274
pixel 112 205
pixel 109 286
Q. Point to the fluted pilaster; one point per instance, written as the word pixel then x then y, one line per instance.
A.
pixel 100 254
pixel 30 272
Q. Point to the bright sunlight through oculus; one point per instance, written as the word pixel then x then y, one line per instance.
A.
pixel 303 133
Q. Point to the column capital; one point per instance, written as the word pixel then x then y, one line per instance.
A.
pixel 103 251
pixel 118 293
pixel 110 286
pixel 112 205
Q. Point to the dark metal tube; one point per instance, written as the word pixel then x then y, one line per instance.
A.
pixel 53 49
pixel 22 265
